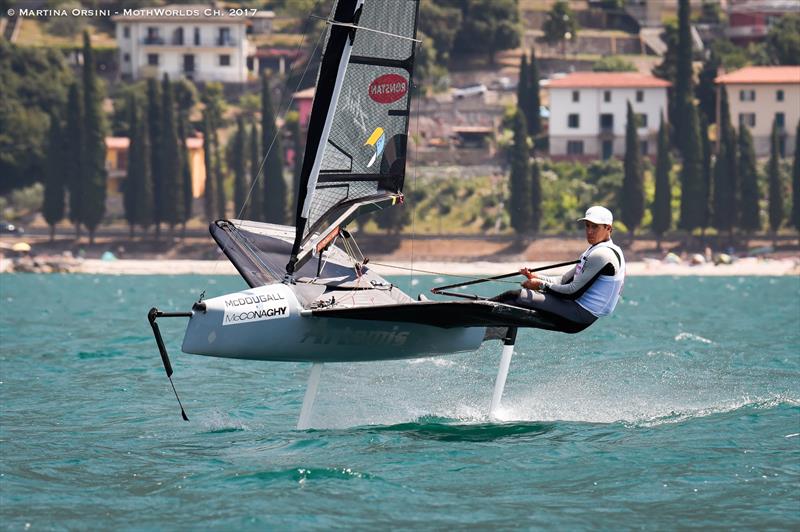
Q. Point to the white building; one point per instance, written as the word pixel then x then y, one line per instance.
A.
pixel 198 42
pixel 588 112
pixel 761 96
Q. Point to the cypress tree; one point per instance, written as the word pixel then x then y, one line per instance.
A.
pixel 633 181
pixel 240 181
pixel 156 168
pixel 186 173
pixel 662 203
pixel 706 90
pixel 219 175
pixel 129 186
pixel 297 142
pixel 723 192
pixel 274 184
pixel 750 220
pixel 73 138
pixel 257 195
pixel 691 175
pixel 520 200
pixel 93 165
pixel 533 116
pixel 729 138
pixel 140 179
pixel 796 180
pixel 683 79
pixel 53 208
pixel 536 197
pixel 775 188
pixel 210 193
pixel 523 94
pixel 705 194
pixel 171 176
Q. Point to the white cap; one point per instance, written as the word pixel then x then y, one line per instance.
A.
pixel 598 215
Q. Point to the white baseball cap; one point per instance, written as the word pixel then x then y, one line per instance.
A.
pixel 598 215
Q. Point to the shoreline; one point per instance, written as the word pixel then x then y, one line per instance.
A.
pixel 749 266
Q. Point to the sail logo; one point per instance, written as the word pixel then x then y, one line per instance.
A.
pixel 388 88
pixel 376 141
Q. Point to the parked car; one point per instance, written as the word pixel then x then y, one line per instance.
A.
pixel 472 90
pixel 9 228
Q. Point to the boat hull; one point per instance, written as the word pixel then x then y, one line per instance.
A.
pixel 269 323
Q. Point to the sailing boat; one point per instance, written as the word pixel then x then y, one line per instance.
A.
pixel 310 300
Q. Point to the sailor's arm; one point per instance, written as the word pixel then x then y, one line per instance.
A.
pixel 600 262
pixel 551 279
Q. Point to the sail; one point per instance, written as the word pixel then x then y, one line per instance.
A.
pixel 357 135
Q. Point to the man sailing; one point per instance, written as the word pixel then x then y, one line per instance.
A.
pixel 588 291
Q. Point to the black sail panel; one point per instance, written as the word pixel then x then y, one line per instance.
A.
pixel 364 154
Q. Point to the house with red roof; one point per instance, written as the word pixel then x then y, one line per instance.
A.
pixel 759 96
pixel 588 113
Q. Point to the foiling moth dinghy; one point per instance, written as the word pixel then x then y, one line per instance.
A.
pixel 310 300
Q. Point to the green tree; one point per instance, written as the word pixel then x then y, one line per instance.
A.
pixel 73 136
pixel 692 176
pixel 139 182
pixel 668 70
pixel 662 203
pixel 613 63
pixel 633 183
pixel 186 173
pixel 33 82
pixel 523 91
pixel 534 101
pixel 257 195
pixel 240 184
pixel 796 180
pixel 536 197
pixel 725 211
pixel 683 80
pixel 705 192
pixel 775 185
pixel 293 123
pixel 783 41
pixel 53 208
pixel 171 175
pixel 488 26
pixel 442 23
pixel 274 184
pixel 560 25
pixel 748 175
pixel 520 180
pixel 219 176
pixel 706 90
pixel 156 154
pixel 210 193
pixel 93 163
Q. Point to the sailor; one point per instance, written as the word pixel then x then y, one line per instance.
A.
pixel 588 291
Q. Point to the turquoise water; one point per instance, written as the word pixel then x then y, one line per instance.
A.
pixel 682 409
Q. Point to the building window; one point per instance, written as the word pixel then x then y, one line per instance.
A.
pixel 126 31
pixel 606 96
pixel 639 96
pixel 576 96
pixel 606 122
pixel 225 60
pixel 780 120
pixel 641 120
pixel 152 59
pixel 574 121
pixel 747 96
pixel 575 147
pixel 126 57
pixel 152 36
pixel 643 145
pixel 747 119
pixel 779 95
pixel 197 36
pixel 224 37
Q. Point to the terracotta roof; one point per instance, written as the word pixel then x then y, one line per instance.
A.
pixel 762 74
pixel 607 79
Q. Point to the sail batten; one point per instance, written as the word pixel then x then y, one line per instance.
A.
pixel 357 135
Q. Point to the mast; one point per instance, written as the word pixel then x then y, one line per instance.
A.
pixel 329 86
